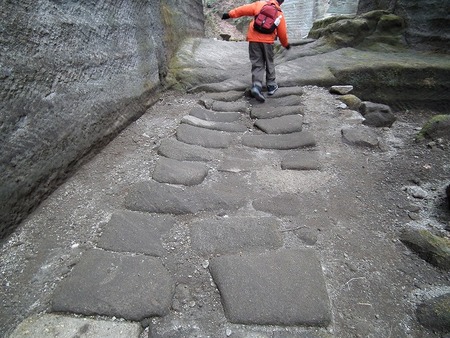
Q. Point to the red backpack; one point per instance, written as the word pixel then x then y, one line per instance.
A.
pixel 266 21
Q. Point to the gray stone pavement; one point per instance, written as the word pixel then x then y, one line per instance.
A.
pixel 260 283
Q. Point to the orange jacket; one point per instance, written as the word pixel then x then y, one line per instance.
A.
pixel 254 36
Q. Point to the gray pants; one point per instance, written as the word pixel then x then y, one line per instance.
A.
pixel 261 57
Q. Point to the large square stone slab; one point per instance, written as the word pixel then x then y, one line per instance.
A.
pixel 283 287
pixel 115 284
pixel 129 231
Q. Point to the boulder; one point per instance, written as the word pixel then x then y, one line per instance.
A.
pixel 376 114
pixel 434 313
pixel 437 127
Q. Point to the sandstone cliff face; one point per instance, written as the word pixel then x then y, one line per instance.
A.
pixel 427 21
pixel 72 75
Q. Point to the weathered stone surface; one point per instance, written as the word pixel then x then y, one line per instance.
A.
pixel 129 231
pixel 437 127
pixel 116 284
pixel 367 28
pixel 162 198
pixel 172 148
pixel 223 126
pixel 209 115
pixel 351 116
pixel 235 234
pixel 425 21
pixel 62 92
pixel 285 141
pixel 267 112
pixel 285 287
pixel 434 313
pixel 433 249
pixel 282 205
pixel 203 137
pixel 229 96
pixel 51 325
pixel 301 160
pixel 376 114
pixel 230 106
pixel 172 171
pixel 341 90
pixel 281 125
pixel 359 136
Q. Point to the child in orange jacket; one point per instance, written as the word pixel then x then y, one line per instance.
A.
pixel 260 48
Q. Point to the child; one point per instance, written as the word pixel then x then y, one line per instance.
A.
pixel 261 45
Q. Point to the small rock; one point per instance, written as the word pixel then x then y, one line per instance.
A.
pixel 376 114
pixel 417 192
pixel 228 332
pixel 342 90
pixel 433 249
pixel 414 216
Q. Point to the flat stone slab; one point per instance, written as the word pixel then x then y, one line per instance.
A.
pixel 242 107
pixel 224 126
pixel 359 136
pixel 52 325
pixel 281 125
pixel 283 287
pixel 116 284
pixel 301 160
pixel 203 137
pixel 209 115
pixel 282 205
pixel 235 234
pixel 172 148
pixel 129 231
pixel 285 101
pixel 287 91
pixel 268 112
pixel 284 141
pixel 228 96
pixel 172 171
pixel 157 197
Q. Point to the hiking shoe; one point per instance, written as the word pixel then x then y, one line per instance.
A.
pixel 272 89
pixel 256 92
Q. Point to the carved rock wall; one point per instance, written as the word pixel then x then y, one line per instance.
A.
pixel 427 21
pixel 72 75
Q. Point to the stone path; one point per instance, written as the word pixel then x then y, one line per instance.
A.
pixel 261 281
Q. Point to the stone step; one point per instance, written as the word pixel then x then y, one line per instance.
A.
pixel 203 137
pixel 181 151
pixel 172 171
pixel 223 126
pixel 133 287
pixel 53 325
pixel 284 287
pixel 282 142
pixel 301 160
pixel 235 234
pixel 157 197
pixel 209 115
pixel 267 112
pixel 130 231
pixel 281 125
pixel 222 106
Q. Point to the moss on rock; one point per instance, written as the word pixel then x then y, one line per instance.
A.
pixel 437 127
